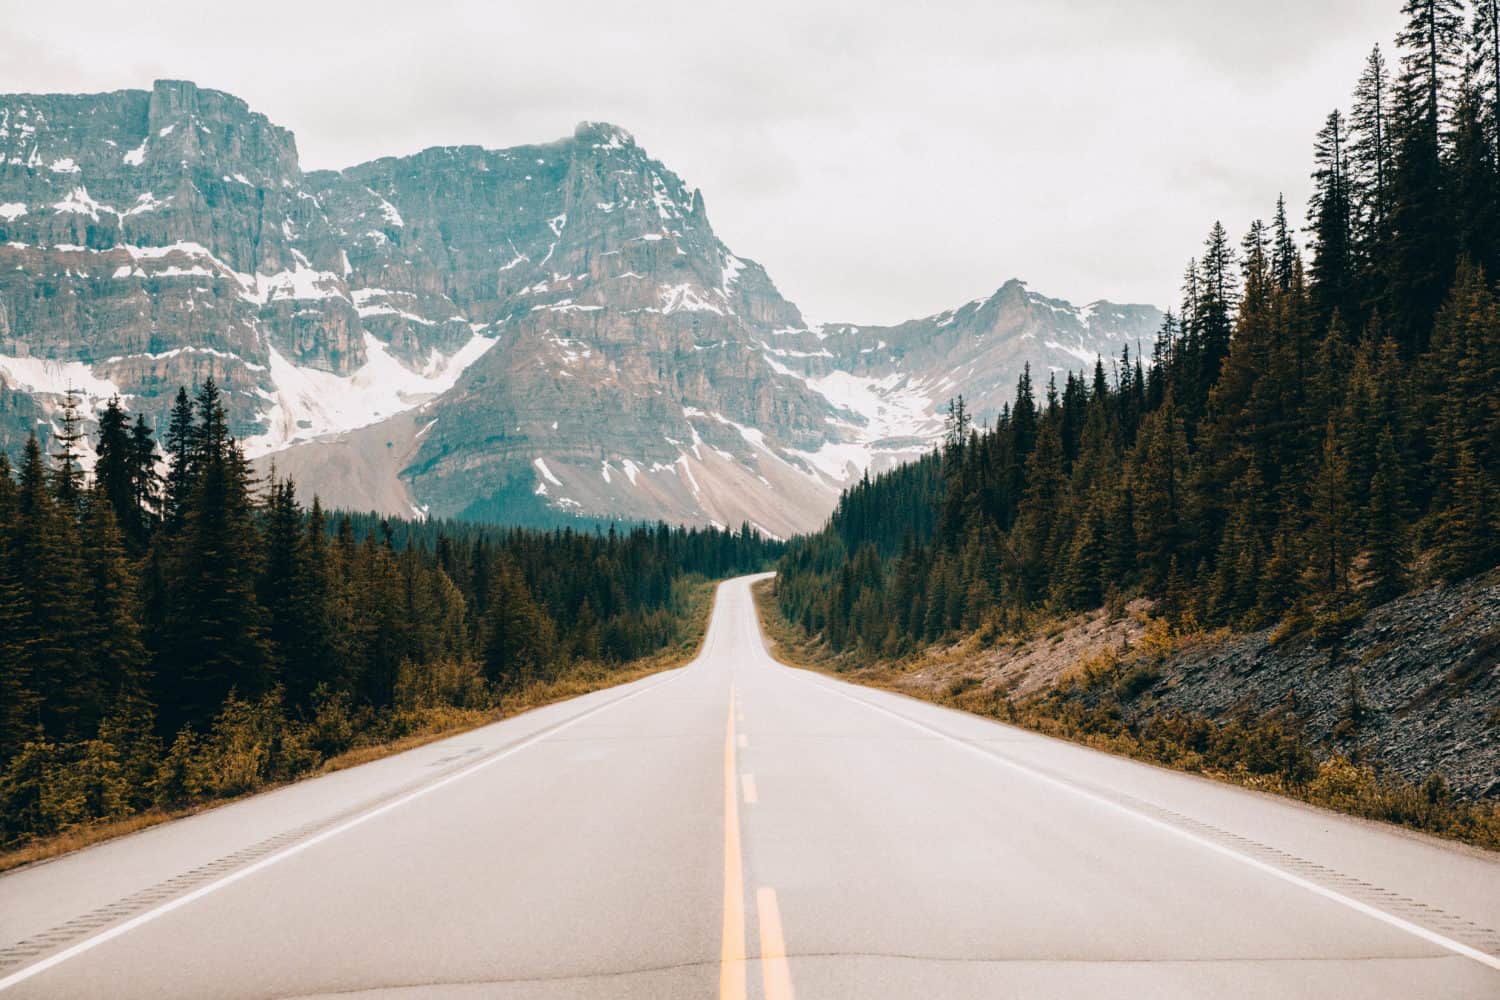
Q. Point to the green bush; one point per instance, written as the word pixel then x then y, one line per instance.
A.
pixel 183 775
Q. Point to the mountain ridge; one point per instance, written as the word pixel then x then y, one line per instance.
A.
pixel 560 319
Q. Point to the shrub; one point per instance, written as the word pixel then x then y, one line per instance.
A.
pixel 26 805
pixel 183 775
pixel 237 756
pixel 444 683
pixel 332 729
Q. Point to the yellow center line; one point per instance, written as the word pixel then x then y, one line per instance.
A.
pixel 775 971
pixel 732 947
pixel 747 785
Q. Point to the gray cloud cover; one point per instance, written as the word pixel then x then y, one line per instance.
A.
pixel 882 161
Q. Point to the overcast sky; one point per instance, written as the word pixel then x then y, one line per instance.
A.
pixel 881 163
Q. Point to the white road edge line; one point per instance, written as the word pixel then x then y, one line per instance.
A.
pixel 52 961
pixel 1416 930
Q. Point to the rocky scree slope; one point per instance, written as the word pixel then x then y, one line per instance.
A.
pixel 521 334
pixel 1413 688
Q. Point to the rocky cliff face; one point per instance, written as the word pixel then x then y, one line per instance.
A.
pixel 522 333
pixel 158 238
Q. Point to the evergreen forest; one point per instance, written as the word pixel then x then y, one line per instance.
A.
pixel 173 630
pixel 1316 430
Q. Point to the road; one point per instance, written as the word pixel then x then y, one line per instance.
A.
pixel 738 828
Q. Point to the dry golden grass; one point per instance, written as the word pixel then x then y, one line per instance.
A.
pixel 84 836
pixel 438 724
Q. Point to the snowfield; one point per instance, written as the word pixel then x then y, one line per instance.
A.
pixel 308 403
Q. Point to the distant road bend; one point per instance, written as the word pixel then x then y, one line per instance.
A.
pixel 740 829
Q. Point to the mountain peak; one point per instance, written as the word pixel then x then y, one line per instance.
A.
pixel 603 134
pixel 539 331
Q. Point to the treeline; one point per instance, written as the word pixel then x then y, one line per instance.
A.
pixel 166 637
pixel 1314 432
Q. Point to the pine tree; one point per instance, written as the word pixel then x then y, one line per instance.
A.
pixel 956 423
pixel 115 467
pixel 1330 541
pixel 1465 532
pixel 145 479
pixel 586 640
pixel 67 474
pixel 1431 41
pixel 19 702
pixel 46 545
pixel 1485 35
pixel 1385 533
pixel 1038 527
pixel 1280 583
pixel 1080 580
pixel 519 635
pixel 1212 321
pixel 180 451
pixel 1157 489
pixel 1419 262
pixel 1331 212
pixel 1370 150
pixel 214 633
pixel 1463 369
pixel 294 592
pixel 1284 255
pixel 1473 181
pixel 113 634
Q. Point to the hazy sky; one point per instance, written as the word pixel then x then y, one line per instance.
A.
pixel 882 161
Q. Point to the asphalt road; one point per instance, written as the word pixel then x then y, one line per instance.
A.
pixel 737 828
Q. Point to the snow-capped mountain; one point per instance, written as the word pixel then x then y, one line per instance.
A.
pixel 519 334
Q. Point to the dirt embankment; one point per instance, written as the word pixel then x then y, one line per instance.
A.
pixel 1022 667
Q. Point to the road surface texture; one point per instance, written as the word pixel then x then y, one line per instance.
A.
pixel 738 828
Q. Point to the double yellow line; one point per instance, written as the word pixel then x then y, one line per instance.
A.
pixel 776 974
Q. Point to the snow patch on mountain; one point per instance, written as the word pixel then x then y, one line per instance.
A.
pixel 43 375
pixel 308 403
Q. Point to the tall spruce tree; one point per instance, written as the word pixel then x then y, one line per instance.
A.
pixel 1370 152
pixel 1465 525
pixel 20 721
pixel 1385 533
pixel 1485 42
pixel 47 551
pixel 214 633
pixel 1419 264
pixel 180 453
pixel 1331 213
pixel 115 467
pixel 67 472
pixel 113 634
pixel 519 635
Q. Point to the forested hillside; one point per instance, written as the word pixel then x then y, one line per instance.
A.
pixel 166 639
pixel 1315 432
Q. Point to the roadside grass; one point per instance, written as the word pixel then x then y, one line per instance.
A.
pixel 419 727
pixel 1088 705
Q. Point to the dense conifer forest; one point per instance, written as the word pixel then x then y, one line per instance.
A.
pixel 171 637
pixel 1316 431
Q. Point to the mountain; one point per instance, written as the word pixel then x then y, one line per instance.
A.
pixel 523 334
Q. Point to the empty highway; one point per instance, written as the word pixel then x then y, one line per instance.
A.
pixel 738 828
